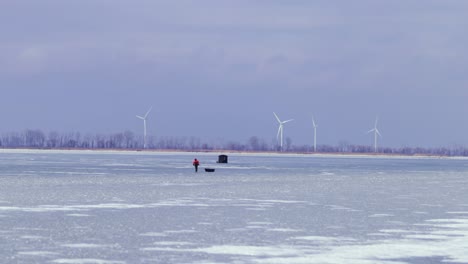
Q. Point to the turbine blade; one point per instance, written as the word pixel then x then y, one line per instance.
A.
pixel 277 118
pixel 279 131
pixel 287 121
pixel 140 117
pixel 377 131
pixel 148 111
pixel 372 130
pixel 313 122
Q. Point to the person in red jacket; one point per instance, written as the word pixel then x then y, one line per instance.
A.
pixel 195 164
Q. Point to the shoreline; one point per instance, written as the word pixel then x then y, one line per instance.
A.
pixel 218 152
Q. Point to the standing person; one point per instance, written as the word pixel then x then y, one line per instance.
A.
pixel 195 164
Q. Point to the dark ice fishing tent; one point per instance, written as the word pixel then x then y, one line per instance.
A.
pixel 222 159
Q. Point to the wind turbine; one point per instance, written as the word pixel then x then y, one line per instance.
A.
pixel 376 132
pixel 144 125
pixel 280 129
pixel 315 134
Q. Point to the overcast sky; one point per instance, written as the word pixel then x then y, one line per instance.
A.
pixel 219 69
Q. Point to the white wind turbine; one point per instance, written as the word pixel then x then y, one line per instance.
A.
pixel 280 129
pixel 315 134
pixel 144 125
pixel 376 133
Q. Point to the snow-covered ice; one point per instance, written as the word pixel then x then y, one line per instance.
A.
pixel 146 207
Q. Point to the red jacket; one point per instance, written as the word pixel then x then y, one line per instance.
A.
pixel 196 162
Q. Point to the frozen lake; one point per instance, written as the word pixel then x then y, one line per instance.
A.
pixel 134 207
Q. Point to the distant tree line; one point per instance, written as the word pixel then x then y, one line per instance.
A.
pixel 128 140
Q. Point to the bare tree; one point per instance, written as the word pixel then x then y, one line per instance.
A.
pixel 194 143
pixel 128 138
pixel 254 143
pixel 288 143
pixel 34 138
pixel 53 140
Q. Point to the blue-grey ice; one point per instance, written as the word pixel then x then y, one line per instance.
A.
pixel 93 207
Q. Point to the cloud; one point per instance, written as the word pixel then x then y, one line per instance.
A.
pixel 342 56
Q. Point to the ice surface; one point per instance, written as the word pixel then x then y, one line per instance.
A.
pixel 93 207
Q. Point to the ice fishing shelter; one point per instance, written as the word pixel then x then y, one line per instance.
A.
pixel 222 159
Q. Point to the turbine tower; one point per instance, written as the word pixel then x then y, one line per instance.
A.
pixel 280 130
pixel 144 126
pixel 315 134
pixel 376 133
